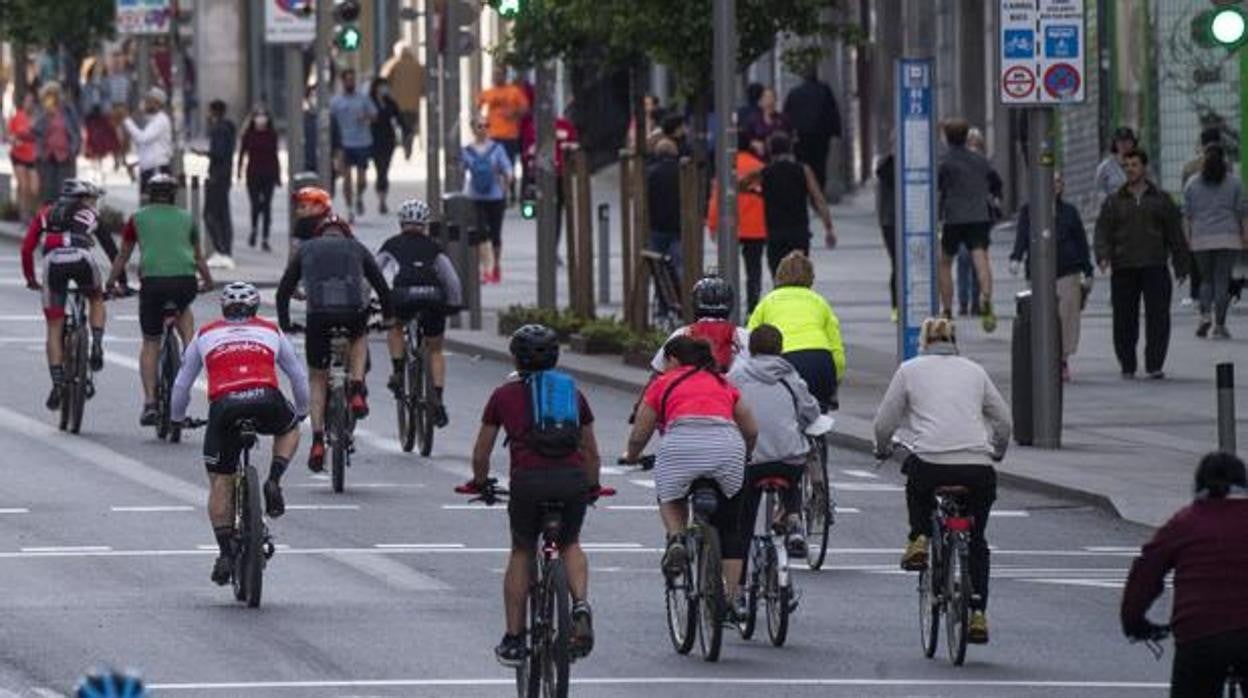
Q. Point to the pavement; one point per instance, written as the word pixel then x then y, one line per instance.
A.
pixel 1129 446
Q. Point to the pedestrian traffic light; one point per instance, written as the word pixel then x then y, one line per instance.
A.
pixel 528 209
pixel 508 9
pixel 1224 26
pixel 347 36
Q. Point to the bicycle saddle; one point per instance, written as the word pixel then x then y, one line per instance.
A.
pixel 704 494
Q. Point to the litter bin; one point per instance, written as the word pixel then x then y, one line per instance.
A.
pixel 457 235
pixel 1020 371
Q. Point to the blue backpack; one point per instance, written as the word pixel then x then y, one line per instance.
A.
pixel 554 404
pixel 481 170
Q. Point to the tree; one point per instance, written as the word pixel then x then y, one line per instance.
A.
pixel 75 25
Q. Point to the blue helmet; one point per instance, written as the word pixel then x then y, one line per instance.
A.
pixel 110 684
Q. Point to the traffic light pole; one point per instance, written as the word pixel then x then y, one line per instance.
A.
pixel 324 34
pixel 450 91
pixel 1243 112
pixel 725 63
pixel 433 110
pixel 1045 351
pixel 547 205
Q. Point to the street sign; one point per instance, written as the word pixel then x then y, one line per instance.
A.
pixel 916 202
pixel 289 22
pixel 1044 42
pixel 136 17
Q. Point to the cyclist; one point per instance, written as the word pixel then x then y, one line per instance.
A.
pixel 959 426
pixel 713 301
pixel 333 267
pixel 169 258
pixel 1204 545
pixel 708 432
pixel 783 407
pixel 425 284
pixel 812 332
pixel 242 353
pixel 312 206
pixel 536 478
pixel 67 229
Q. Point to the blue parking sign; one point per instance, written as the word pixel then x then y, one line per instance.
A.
pixel 1019 43
pixel 1061 41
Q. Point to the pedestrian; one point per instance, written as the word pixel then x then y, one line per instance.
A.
pixel 751 220
pixel 1110 174
pixel 384 139
pixel 672 127
pixel 663 201
pixel 504 106
pixel 1074 267
pixel 968 282
pixel 1208 137
pixel 966 181
pixel 886 215
pixel 1216 221
pixel 653 111
pixel 748 112
pixel 222 135
pixel 118 90
pixel 790 188
pixel 101 137
pixel 487 177
pixel 58 139
pixel 23 154
pixel 257 153
pixel 1138 230
pixel 355 113
pixel 815 118
pixel 154 142
pixel 406 77
pixel 769 119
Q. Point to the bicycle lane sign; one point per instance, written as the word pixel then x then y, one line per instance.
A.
pixel 1042 52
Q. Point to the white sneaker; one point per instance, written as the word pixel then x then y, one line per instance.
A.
pixel 226 262
pixel 1186 302
pixel 213 261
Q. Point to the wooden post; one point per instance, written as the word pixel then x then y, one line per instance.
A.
pixel 584 234
pixel 626 233
pixel 568 182
pixel 690 233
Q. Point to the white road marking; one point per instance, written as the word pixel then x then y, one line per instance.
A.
pixel 41 340
pixel 866 487
pixel 15 510
pixel 632 507
pixel 154 509
pixel 390 572
pixel 471 507
pixel 201 384
pixel 613 546
pixel 648 484
pixel 1112 548
pixel 848 510
pixel 361 485
pixel 1009 513
pixel 322 507
pixel 67 549
pixel 865 474
pixel 422 546
pixel 21 318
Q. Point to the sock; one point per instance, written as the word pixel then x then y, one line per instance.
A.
pixel 277 468
pixel 97 337
pixel 225 539
pixel 357 388
pixel 437 390
pixel 318 437
pixel 57 373
pixel 398 365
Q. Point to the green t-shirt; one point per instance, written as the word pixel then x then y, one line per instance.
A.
pixel 167 240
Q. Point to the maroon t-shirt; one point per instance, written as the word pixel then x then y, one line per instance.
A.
pixel 509 408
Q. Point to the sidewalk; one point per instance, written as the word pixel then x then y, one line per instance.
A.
pixel 1130 445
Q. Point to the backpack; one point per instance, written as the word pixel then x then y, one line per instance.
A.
pixel 722 336
pixel 481 169
pixel 555 407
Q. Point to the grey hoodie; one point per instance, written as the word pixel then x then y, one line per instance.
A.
pixel 782 415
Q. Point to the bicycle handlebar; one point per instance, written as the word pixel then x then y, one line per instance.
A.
pixel 193 423
pixel 645 462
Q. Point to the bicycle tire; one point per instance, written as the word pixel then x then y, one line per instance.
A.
pixel 710 595
pixel 403 409
pixel 817 509
pixel 253 538
pixel 929 614
pixel 77 397
pixel 557 659
pixel 682 610
pixel 338 443
pixel 174 359
pixel 528 673
pixel 957 611
pixel 745 626
pixel 777 599
pixel 424 411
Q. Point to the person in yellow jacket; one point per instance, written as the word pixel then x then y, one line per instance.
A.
pixel 751 224
pixel 812 332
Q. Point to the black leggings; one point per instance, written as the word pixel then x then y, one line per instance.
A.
pixel 381 161
pixel 752 253
pixel 818 368
pixel 1200 666
pixel 922 480
pixel 260 192
pixel 790 499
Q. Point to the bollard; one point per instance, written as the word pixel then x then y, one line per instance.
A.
pixel 459 220
pixel 626 234
pixel 570 194
pixel 584 234
pixel 195 211
pixel 1226 407
pixel 604 253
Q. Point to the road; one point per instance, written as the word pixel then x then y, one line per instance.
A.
pixel 393 588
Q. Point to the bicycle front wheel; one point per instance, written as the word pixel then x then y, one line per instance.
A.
pixel 557 625
pixel 777 597
pixel 710 595
pixel 171 362
pixel 403 409
pixel 78 377
pixel 957 611
pixel 817 506
pixel 745 625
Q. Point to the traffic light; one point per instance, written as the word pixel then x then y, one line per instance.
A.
pixel 508 9
pixel 1224 26
pixel 346 35
pixel 528 209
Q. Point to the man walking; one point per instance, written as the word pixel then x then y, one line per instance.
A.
pixel 221 138
pixel 1138 230
pixel 812 111
pixel 966 180
pixel 154 142
pixel 354 112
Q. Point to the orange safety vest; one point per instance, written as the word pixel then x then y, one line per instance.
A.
pixel 751 224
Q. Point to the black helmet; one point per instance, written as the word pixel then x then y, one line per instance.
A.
pixel 713 298
pixel 162 188
pixel 535 347
pixel 1217 473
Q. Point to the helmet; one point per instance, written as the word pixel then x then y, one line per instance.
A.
pixel 240 301
pixel 314 195
pixel 334 223
pixel 162 188
pixel 413 212
pixel 535 348
pixel 713 297
pixel 79 188
pixel 110 684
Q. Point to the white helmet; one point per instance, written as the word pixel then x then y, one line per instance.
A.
pixel 414 212
pixel 240 301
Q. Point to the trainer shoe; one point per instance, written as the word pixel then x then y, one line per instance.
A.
pixel 359 405
pixel 796 541
pixel 274 503
pixel 977 629
pixel 395 384
pixel 510 652
pixel 149 417
pixel 582 642
pixel 54 398
pixel 97 358
pixel 988 319
pixel 915 557
pixel 1219 332
pixel 316 457
pixel 223 570
pixel 440 418
pixel 676 557
pixel 1202 328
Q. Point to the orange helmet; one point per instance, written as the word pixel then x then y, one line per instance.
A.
pixel 314 195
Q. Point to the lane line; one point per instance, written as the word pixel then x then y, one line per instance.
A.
pixel 15 510
pixel 322 507
pixel 421 546
pixel 67 549
pixel 663 681
pixel 648 484
pixel 865 474
pixel 632 507
pixel 358 485
pixel 1009 513
pixel 153 509
pixel 472 507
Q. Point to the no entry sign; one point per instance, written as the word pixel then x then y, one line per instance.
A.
pixel 1018 82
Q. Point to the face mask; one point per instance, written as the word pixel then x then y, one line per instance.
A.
pixel 305 228
pixel 384 91
pixel 262 121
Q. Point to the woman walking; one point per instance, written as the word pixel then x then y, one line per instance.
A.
pixel 101 136
pixel 789 189
pixel 1216 222
pixel 22 154
pixel 751 226
pixel 258 152
pixel 384 140
pixel 768 119
pixel 58 139
pixel 487 176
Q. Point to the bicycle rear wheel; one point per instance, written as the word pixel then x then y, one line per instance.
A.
pixel 817 507
pixel 78 377
pixel 555 655
pixel 929 613
pixel 253 539
pixel 777 599
pixel 423 414
pixel 405 412
pixel 682 610
pixel 339 436
pixel 957 611
pixel 710 595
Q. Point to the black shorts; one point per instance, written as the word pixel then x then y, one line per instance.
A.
pixel 267 407
pixel 317 346
pixel 530 488
pixel 973 235
pixel 488 226
pixel 56 278
pixel 818 368
pixel 427 303
pixel 159 291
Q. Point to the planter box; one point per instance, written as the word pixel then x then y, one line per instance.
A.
pixel 507 326
pixel 583 345
pixel 638 358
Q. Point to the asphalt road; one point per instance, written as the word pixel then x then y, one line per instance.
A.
pixel 393 588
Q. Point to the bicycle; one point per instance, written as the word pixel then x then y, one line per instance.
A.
pixel 417 403
pixel 548 655
pixel 1235 682
pixel 253 547
pixel 75 340
pixel 818 504
pixel 945 584
pixel 339 420
pixel 167 366
pixel 768 576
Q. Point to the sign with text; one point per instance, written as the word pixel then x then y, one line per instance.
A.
pixel 137 17
pixel 916 202
pixel 289 22
pixel 1042 52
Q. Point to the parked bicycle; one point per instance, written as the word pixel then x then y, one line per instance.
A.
pixel 253 547
pixel 1235 684
pixel 546 670
pixel 417 401
pixel 76 338
pixel 818 503
pixel 945 585
pixel 768 577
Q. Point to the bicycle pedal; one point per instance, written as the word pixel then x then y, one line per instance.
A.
pixel 269 549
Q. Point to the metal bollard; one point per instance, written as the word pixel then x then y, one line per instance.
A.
pixel 195 211
pixel 1226 407
pixel 604 253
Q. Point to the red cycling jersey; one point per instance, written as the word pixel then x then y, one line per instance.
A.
pixel 65 240
pixel 239 355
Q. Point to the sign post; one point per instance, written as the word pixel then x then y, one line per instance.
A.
pixel 915 202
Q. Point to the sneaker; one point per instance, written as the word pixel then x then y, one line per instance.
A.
pixel 149 417
pixel 1219 332
pixel 675 557
pixel 988 319
pixel 264 246
pixel 316 457
pixel 359 206
pixel 222 570
pixel 395 384
pixel 510 652
pixel 1157 375
pixel 741 607
pixel 382 208
pixel 97 358
pixel 54 398
pixel 582 641
pixel 440 418
pixel 274 503
pixel 915 557
pixel 251 239
pixel 1128 375
pixel 796 545
pixel 1202 329
pixel 498 275
pixel 977 629
pixel 1187 302
pixel 227 262
pixel 962 311
pixel 359 405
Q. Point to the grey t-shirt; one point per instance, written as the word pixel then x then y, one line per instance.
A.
pixel 1214 212
pixel 355 113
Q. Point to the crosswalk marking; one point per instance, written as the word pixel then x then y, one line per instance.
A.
pixel 648 484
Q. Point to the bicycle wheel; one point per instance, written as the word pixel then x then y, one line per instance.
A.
pixel 745 625
pixel 403 410
pixel 929 613
pixel 75 398
pixel 173 362
pixel 710 595
pixel 338 430
pixel 253 539
pixel 424 410
pixel 957 612
pixel 556 657
pixel 682 610
pixel 816 508
pixel 776 597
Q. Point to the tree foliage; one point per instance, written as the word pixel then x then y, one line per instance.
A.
pixel 73 24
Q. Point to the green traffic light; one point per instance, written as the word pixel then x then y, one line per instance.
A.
pixel 528 209
pixel 507 8
pixel 348 39
pixel 1227 26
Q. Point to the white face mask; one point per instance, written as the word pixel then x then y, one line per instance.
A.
pixel 262 121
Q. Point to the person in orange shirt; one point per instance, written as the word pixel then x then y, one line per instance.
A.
pixel 751 224
pixel 22 155
pixel 504 106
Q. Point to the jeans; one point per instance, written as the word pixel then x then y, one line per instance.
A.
pixel 968 283
pixel 1200 666
pixel 1215 281
pixel 752 254
pixel 1069 311
pixel 217 215
pixel 669 244
pixel 922 480
pixel 52 175
pixel 1127 287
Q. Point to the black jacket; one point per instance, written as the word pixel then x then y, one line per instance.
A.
pixel 221 138
pixel 663 195
pixel 1133 233
pixel 1073 254
pixel 811 109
